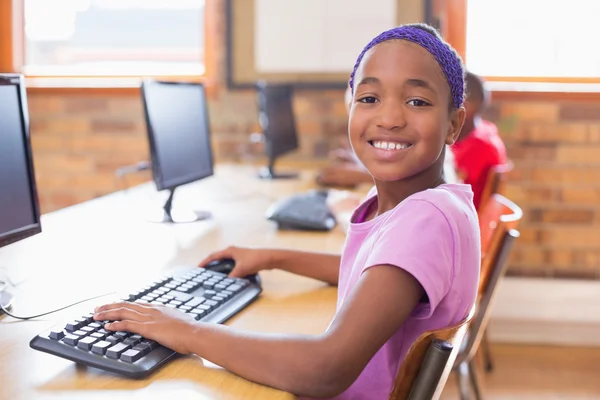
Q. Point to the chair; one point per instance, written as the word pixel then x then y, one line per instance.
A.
pixel 495 181
pixel 496 210
pixel 493 269
pixel 428 363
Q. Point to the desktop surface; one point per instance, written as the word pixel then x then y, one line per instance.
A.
pixel 82 245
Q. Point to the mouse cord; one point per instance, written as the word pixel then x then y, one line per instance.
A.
pixel 3 309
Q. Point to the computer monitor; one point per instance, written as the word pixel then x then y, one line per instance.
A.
pixel 179 137
pixel 276 118
pixel 19 206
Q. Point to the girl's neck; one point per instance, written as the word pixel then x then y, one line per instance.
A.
pixel 390 194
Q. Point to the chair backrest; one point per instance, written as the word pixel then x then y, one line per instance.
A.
pixel 409 371
pixel 497 259
pixel 497 212
pixel 495 180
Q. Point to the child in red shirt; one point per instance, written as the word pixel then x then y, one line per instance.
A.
pixel 479 147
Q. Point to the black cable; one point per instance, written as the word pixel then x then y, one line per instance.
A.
pixel 53 311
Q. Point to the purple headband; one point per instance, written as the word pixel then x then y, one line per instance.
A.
pixel 446 58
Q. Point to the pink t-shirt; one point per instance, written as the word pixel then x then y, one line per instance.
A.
pixel 433 235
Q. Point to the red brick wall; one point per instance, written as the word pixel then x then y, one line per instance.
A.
pixel 80 138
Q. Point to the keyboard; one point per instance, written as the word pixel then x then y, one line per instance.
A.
pixel 207 295
pixel 304 211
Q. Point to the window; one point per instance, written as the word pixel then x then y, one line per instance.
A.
pixel 533 38
pixel 113 37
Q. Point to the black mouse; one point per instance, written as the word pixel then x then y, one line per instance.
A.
pixel 225 266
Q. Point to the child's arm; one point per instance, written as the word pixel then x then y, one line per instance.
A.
pixel 318 366
pixel 322 266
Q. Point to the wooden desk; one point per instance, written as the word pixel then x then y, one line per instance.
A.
pixel 82 248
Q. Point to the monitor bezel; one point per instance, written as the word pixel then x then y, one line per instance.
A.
pixel 160 182
pixel 16 235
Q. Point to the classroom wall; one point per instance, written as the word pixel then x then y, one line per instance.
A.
pixel 80 138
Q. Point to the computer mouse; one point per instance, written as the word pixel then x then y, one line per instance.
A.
pixel 226 265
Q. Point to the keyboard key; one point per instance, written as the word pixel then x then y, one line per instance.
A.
pixel 97 335
pixel 95 325
pixel 57 334
pixel 122 335
pixel 208 284
pixel 86 343
pixel 71 339
pixel 143 348
pixel 176 303
pixel 211 303
pixel 195 301
pixel 100 347
pixel 209 293
pixel 116 350
pixel 234 288
pixel 179 296
pixel 73 326
pixel 136 337
pixel 80 333
pixel 185 308
pixel 131 355
pixel 87 329
pixel 113 339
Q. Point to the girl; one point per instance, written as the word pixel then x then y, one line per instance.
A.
pixel 411 259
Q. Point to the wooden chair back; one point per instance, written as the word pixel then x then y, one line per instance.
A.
pixel 496 263
pixel 409 371
pixel 495 181
pixel 498 212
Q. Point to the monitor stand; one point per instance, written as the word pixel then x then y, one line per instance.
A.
pixel 268 172
pixel 6 300
pixel 174 216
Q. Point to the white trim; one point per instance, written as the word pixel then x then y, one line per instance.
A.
pixel 546 311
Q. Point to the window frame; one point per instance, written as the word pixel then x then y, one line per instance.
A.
pixel 452 15
pixel 12 45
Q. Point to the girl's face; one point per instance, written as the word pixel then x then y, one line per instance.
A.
pixel 399 118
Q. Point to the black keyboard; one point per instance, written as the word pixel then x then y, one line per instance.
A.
pixel 207 295
pixel 304 211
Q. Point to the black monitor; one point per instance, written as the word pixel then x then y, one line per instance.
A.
pixel 19 206
pixel 179 138
pixel 276 118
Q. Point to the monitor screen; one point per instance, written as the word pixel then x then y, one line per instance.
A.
pixel 19 209
pixel 276 117
pixel 178 132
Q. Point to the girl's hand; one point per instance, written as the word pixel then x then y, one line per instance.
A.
pixel 169 327
pixel 247 261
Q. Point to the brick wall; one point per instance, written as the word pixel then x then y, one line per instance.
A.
pixel 80 138
pixel 555 145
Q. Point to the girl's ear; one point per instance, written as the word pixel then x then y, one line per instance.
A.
pixel 457 119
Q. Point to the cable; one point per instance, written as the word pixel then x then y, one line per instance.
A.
pixel 53 311
pixel 6 278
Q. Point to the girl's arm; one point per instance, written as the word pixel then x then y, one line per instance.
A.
pixel 322 266
pixel 317 366
pixel 248 261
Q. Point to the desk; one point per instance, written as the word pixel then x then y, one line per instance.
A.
pixel 90 241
